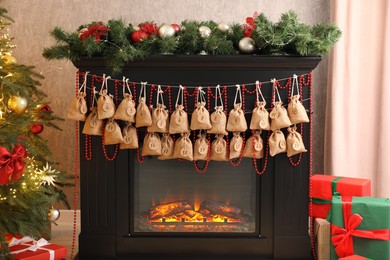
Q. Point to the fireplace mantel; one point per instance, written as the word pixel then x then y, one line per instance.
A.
pixel 283 189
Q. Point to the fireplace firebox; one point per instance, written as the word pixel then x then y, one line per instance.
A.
pixel 150 208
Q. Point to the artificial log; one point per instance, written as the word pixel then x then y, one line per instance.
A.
pixel 169 209
pixel 219 208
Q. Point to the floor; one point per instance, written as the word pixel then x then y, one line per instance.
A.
pixel 62 233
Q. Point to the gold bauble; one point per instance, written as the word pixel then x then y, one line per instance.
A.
pixel 17 104
pixel 10 59
pixel 53 214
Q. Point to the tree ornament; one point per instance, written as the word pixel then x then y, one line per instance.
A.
pixel 204 31
pixel 10 59
pixel 53 214
pixel 167 31
pixel 17 104
pixel 223 27
pixel 44 108
pixel 176 27
pixel 139 36
pixel 12 165
pixel 36 128
pixel 96 30
pixel 246 45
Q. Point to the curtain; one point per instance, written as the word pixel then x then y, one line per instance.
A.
pixel 357 129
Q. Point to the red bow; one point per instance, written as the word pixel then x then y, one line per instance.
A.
pixel 96 30
pixel 342 237
pixel 249 26
pixel 12 165
pixel 149 28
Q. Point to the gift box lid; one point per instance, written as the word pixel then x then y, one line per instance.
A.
pixel 41 253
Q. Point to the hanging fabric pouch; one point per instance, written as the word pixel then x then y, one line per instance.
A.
pixel 93 125
pixel 152 144
pixel 236 120
pixel 183 148
pixel 130 138
pixel 260 115
pixel 160 117
pixel 112 133
pixel 218 117
pixel 219 149
pixel 167 147
pixel 200 118
pixel 143 116
pixel 295 143
pixel 278 115
pixel 277 143
pixel 296 111
pixel 236 145
pixel 201 148
pixel 254 147
pixel 78 108
pixel 126 109
pixel 105 104
pixel 179 118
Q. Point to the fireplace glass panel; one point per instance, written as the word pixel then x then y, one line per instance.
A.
pixel 170 196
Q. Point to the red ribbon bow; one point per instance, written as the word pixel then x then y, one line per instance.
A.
pixel 249 26
pixel 12 165
pixel 96 30
pixel 342 237
pixel 149 28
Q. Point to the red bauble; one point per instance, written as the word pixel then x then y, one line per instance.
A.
pixel 44 107
pixel 138 36
pixel 36 128
pixel 176 27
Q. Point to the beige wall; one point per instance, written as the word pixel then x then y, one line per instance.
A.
pixel 35 18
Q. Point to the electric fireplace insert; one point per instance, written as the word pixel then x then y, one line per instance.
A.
pixel 145 208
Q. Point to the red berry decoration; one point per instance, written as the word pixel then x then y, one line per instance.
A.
pixel 138 36
pixel 36 128
pixel 176 27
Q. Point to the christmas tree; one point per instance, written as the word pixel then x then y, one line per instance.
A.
pixel 29 185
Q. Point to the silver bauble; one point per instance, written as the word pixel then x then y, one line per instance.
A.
pixel 246 45
pixel 166 31
pixel 204 31
pixel 53 214
pixel 223 27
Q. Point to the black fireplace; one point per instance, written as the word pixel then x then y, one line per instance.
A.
pixel 145 208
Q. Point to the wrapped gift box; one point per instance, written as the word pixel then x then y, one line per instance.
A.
pixel 27 251
pixel 361 226
pixel 324 186
pixel 322 238
pixel 355 257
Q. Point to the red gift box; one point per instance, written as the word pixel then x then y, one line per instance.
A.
pixel 324 186
pixel 354 257
pixel 26 251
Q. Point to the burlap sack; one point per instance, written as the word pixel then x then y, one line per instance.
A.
pixel 167 147
pixel 277 143
pixel 260 117
pixel 201 148
pixel 152 144
pixel 279 117
pixel 160 120
pixel 143 116
pixel 218 122
pixel 254 147
pixel 236 145
pixel 130 138
pixel 112 133
pixel 93 125
pixel 200 118
pixel 178 123
pixel 295 143
pixel 126 109
pixel 236 121
pixel 105 105
pixel 322 238
pixel 78 108
pixel 219 149
pixel 183 148
pixel 296 111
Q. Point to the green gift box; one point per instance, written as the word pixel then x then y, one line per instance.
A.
pixel 360 225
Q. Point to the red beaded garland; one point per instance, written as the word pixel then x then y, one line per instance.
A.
pixel 265 157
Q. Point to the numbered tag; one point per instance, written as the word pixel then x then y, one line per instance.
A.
pixel 152 146
pixel 219 149
pixel 237 146
pixel 161 123
pixel 263 124
pixel 130 111
pixel 236 120
pixel 106 107
pixel 215 117
pixel 201 118
pixel 282 144
pixel 258 146
pixel 202 149
pixel 83 108
pixel 93 123
pixel 294 111
pixel 127 139
pixel 178 120
pixel 165 151
pixel 296 146
pixel 274 114
pixel 110 127
pixel 184 152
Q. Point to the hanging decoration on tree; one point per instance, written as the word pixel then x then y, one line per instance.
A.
pixel 12 165
pixel 17 104
pixel 36 128
pixel 53 214
pixel 96 31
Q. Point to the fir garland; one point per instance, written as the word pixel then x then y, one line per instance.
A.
pixel 288 36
